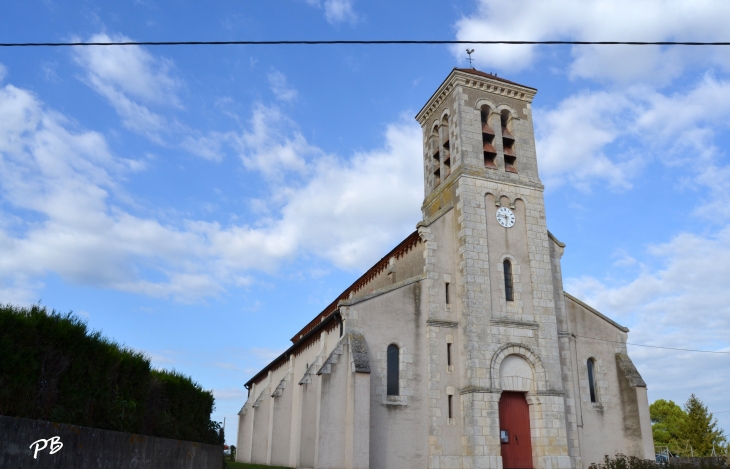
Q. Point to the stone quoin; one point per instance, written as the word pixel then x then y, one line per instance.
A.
pixel 459 348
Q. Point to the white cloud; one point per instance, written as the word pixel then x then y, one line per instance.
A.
pixel 236 395
pixel 336 11
pixel 598 20
pixel 572 137
pixel 346 211
pixel 132 80
pixel 67 177
pixel 280 87
pixel 131 70
pixel 611 135
pixel 267 147
pixel 684 304
pixel 266 355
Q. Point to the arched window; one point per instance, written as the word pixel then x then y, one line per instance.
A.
pixel 436 154
pixel 446 146
pixel 508 289
pixel 592 379
pixel 490 154
pixel 508 143
pixel 393 363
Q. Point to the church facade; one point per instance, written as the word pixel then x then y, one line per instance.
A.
pixel 459 348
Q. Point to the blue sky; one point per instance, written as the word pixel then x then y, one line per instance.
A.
pixel 202 204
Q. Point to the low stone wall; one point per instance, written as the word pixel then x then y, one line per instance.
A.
pixel 71 446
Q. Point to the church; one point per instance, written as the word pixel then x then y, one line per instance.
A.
pixel 459 348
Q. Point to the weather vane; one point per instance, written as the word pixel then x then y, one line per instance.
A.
pixel 469 52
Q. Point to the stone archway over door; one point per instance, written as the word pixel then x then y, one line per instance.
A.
pixel 514 418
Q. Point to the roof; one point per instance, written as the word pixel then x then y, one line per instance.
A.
pixel 474 71
pixel 324 320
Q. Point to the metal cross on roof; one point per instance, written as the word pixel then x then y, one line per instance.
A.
pixel 469 52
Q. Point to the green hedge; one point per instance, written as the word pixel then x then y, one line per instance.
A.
pixel 53 368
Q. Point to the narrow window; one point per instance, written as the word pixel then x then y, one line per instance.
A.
pixel 451 412
pixel 508 144
pixel 490 154
pixel 448 354
pixel 447 292
pixel 446 147
pixel 508 290
pixel 436 163
pixel 393 363
pixel 592 380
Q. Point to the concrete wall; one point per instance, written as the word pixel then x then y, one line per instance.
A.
pixel 283 398
pixel 332 413
pixel 398 424
pixel 261 414
pixel 406 266
pixel 103 449
pixel 310 397
pixel 311 412
pixel 567 358
pixel 618 421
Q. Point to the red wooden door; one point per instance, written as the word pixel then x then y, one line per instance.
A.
pixel 514 419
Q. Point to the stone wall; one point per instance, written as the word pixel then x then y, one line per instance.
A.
pixel 101 449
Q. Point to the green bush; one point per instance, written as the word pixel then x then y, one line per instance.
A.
pixel 631 462
pixel 53 368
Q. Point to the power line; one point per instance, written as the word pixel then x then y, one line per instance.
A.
pixel 357 42
pixel 652 346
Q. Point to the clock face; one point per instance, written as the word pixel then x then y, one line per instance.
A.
pixel 505 217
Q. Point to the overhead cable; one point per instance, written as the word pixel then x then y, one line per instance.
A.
pixel 355 42
pixel 651 346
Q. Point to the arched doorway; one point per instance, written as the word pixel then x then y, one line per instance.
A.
pixel 514 426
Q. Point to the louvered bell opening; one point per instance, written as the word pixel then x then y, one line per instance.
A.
pixel 489 148
pixel 509 164
pixel 486 129
pixel 446 144
pixel 506 134
pixel 508 151
pixel 489 160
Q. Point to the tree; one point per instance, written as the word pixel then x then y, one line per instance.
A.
pixel 700 429
pixel 688 431
pixel 667 421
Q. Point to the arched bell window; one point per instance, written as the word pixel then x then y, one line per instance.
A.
pixel 508 285
pixel 592 379
pixel 393 371
pixel 508 143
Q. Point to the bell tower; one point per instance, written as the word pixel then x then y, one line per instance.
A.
pixel 487 240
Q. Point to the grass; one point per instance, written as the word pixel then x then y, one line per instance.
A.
pixel 240 465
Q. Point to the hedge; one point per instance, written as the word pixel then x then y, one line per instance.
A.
pixel 53 368
pixel 621 461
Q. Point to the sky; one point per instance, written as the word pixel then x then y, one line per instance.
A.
pixel 202 204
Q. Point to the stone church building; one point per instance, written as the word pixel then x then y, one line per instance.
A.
pixel 459 348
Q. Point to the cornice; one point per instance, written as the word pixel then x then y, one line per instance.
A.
pixel 459 78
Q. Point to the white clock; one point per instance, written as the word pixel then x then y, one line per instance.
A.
pixel 505 217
